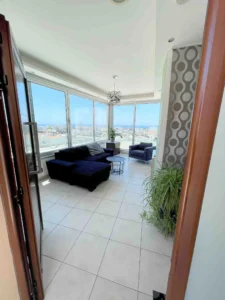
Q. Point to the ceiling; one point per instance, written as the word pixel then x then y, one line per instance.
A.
pixel 88 41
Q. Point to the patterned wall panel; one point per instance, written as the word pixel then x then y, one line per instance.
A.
pixel 185 67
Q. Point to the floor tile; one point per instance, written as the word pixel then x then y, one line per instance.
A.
pixel 52 195
pixel 70 199
pixel 121 264
pixel 100 225
pixel 97 193
pixel 58 185
pixel 133 198
pixel 76 219
pixel 114 195
pixel 78 191
pixel 48 227
pixel 45 205
pixel 135 188
pixel 107 290
pixel 88 203
pixel 118 184
pixel 142 296
pixel 130 212
pixel 56 213
pixel 153 240
pixel 70 284
pixel 154 272
pixel 59 242
pixel 50 267
pixel 110 208
pixel 137 180
pixel 127 232
pixel 87 253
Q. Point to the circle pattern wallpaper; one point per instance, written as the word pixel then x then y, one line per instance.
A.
pixel 184 76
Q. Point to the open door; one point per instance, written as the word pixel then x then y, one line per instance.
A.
pixel 21 150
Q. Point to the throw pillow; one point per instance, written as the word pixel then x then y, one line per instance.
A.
pixel 95 148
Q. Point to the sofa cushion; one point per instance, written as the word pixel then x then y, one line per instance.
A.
pixel 95 148
pixel 74 153
pixel 99 157
pixel 88 169
pixel 139 153
pixel 142 146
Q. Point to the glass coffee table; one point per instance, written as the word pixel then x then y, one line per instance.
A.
pixel 117 165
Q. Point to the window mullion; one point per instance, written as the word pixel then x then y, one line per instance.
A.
pixel 93 114
pixel 68 119
pixel 134 124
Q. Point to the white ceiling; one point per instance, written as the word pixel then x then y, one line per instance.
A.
pixel 90 40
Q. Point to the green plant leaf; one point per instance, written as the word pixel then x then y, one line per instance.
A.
pixel 162 195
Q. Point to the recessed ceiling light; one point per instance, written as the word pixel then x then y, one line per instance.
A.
pixel 119 1
pixel 172 39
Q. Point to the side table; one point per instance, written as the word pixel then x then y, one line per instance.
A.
pixel 115 146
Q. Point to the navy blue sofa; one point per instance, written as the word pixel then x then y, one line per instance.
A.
pixel 77 167
pixel 82 153
pixel 142 151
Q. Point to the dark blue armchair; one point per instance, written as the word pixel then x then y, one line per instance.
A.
pixel 143 151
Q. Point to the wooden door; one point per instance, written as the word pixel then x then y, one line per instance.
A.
pixel 23 156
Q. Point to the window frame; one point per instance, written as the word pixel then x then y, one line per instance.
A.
pixel 111 124
pixel 107 120
pixel 67 92
pixel 93 121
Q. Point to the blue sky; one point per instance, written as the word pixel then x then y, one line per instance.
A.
pixel 49 108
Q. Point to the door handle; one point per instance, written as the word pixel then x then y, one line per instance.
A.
pixel 36 146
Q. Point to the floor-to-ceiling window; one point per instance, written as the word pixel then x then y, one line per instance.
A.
pixel 146 124
pixel 88 119
pixel 81 115
pixel 123 122
pixel 101 121
pixel 50 115
pixel 136 123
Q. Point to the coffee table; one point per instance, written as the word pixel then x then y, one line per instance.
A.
pixel 117 166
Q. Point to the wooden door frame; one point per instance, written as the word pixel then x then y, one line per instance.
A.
pixel 206 112
pixel 7 193
pixel 16 128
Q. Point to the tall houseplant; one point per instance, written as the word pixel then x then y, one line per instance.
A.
pixel 162 195
pixel 113 134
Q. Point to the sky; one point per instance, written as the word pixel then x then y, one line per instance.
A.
pixel 49 108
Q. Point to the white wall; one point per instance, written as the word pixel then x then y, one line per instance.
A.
pixel 207 275
pixel 164 108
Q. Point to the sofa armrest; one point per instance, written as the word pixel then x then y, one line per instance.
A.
pixel 60 169
pixel 133 147
pixel 148 152
pixel 109 150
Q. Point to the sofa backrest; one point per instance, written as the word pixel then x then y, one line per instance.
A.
pixel 142 146
pixel 72 154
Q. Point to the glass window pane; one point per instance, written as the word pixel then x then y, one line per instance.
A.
pixel 123 117
pixel 147 122
pixel 101 121
pixel 50 115
pixel 81 110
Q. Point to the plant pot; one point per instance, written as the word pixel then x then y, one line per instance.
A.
pixel 112 140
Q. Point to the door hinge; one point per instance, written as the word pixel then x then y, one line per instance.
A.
pixel 3 81
pixel 34 290
pixel 18 196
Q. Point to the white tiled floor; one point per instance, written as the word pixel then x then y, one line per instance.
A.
pixel 95 245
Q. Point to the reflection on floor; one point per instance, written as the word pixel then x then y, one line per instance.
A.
pixel 95 244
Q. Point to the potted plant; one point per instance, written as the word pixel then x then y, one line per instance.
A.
pixel 113 134
pixel 162 195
